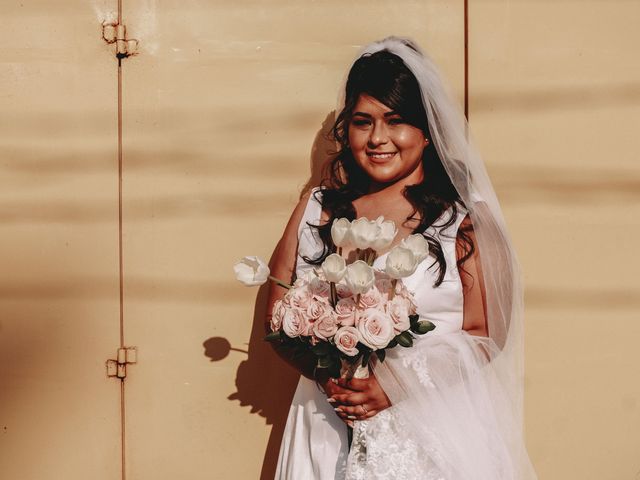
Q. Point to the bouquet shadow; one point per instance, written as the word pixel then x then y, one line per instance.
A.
pixel 263 381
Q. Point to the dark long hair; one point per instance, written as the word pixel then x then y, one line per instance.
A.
pixel 384 76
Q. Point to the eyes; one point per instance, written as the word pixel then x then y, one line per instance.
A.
pixel 362 122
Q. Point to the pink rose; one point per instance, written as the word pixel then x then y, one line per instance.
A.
pixel 408 298
pixel 398 310
pixel 316 309
pixel 319 287
pixel 345 310
pixel 293 323
pixel 375 328
pixel 384 285
pixel 370 299
pixel 277 314
pixel 300 297
pixel 343 290
pixel 346 339
pixel 325 327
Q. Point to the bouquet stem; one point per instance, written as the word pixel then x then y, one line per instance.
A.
pixel 280 282
pixel 334 294
pixel 350 370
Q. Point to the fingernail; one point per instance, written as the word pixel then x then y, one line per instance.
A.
pixel 331 400
pixel 350 417
pixel 334 380
pixel 338 409
pixel 350 424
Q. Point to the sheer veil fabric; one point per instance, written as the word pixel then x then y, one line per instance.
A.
pixel 459 395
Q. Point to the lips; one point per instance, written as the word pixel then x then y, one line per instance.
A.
pixel 380 156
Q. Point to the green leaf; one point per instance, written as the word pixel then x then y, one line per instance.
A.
pixel 365 358
pixel 423 326
pixel 381 354
pixel 405 339
pixel 324 362
pixel 334 370
pixel 273 336
pixel 413 319
pixel 321 348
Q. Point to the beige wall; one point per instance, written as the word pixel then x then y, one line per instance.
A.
pixel 223 114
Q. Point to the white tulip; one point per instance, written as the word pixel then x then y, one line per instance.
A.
pixel 341 232
pixel 359 277
pixel 251 271
pixel 364 232
pixel 418 245
pixel 388 232
pixel 334 267
pixel 401 262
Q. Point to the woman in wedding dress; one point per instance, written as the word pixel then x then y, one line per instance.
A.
pixel 450 407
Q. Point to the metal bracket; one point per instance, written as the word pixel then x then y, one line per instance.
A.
pixel 118 367
pixel 116 33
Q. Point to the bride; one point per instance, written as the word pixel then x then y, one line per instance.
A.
pixel 450 407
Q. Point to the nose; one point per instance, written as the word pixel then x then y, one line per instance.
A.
pixel 379 135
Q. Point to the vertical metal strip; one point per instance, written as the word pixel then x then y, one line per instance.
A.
pixel 466 59
pixel 120 259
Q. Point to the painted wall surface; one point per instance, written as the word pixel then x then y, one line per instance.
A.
pixel 225 109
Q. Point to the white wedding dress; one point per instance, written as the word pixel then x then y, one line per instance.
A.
pixel 448 422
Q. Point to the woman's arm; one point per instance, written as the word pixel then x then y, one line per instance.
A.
pixel 473 289
pixel 282 266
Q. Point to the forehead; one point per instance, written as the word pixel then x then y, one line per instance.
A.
pixel 370 105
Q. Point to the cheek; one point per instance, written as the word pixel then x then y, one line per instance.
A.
pixel 357 139
pixel 409 140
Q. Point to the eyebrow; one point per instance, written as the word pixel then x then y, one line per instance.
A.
pixel 366 115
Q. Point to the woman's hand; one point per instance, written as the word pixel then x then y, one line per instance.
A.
pixel 331 389
pixel 364 400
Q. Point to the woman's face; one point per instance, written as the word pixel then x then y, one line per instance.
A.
pixel 385 147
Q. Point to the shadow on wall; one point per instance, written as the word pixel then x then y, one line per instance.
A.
pixel 264 381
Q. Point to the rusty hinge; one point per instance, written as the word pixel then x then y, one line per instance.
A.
pixel 118 367
pixel 116 33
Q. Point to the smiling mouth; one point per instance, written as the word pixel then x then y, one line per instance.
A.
pixel 381 155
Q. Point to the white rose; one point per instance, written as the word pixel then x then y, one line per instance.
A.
pixel 364 232
pixel 418 245
pixel 398 310
pixel 400 262
pixel 341 232
pixel 375 328
pixel 334 267
pixel 359 277
pixel 251 271
pixel 346 339
pixel 388 232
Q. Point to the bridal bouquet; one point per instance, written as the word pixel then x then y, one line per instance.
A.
pixel 347 312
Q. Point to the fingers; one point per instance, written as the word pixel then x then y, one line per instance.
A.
pixel 331 387
pixel 354 413
pixel 356 384
pixel 350 398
